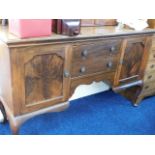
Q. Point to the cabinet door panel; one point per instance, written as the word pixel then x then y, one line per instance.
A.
pixel 39 76
pixel 134 55
pixel 132 60
pixel 44 78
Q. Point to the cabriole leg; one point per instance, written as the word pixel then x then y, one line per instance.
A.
pixel 14 128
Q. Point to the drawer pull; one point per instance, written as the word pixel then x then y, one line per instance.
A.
pixel 66 74
pixel 112 49
pixel 152 66
pixel 82 69
pixel 149 77
pixel 85 53
pixel 154 55
pixel 109 64
pixel 146 87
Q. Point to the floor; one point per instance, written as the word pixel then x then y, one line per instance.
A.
pixel 105 113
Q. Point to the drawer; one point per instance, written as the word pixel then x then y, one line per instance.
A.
pixel 149 77
pixel 153 43
pixel 148 87
pixel 148 93
pixel 98 57
pixel 95 50
pixel 152 55
pixel 101 64
pixel 150 66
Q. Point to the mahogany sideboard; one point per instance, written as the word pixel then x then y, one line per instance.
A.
pixel 39 75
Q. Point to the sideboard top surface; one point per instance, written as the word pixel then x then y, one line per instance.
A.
pixel 86 33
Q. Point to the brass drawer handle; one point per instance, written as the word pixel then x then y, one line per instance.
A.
pixel 112 49
pixel 109 64
pixel 66 74
pixel 82 69
pixel 84 53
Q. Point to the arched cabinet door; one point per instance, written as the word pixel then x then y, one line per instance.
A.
pixel 43 76
pixel 133 59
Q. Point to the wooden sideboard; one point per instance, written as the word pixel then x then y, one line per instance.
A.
pixel 39 75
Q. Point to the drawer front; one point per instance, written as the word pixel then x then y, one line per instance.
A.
pixel 149 93
pixel 92 58
pixel 153 43
pixel 98 65
pixel 152 55
pixel 149 77
pixel 149 87
pixel 91 50
pixel 150 66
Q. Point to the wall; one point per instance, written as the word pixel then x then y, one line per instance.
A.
pixel 85 90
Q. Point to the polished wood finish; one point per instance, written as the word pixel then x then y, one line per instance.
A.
pixel 151 23
pixel 148 87
pixel 39 74
pixel 132 62
pixel 91 58
pixel 43 78
pixel 87 33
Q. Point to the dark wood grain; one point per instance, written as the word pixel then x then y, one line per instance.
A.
pixel 43 78
pixel 102 56
pixel 132 63
pixel 132 60
pixel 38 72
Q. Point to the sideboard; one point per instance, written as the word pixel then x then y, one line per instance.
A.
pixel 39 75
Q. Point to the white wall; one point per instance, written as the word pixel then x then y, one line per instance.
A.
pixel 85 90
